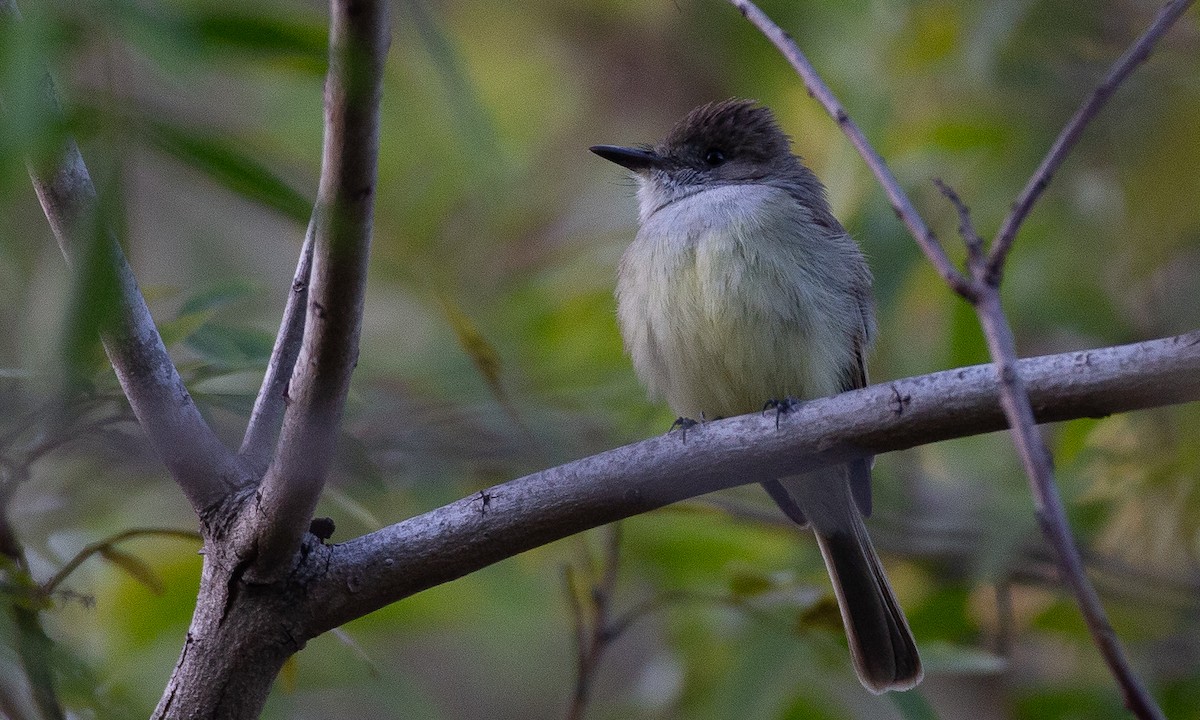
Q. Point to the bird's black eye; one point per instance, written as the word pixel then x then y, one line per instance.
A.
pixel 714 157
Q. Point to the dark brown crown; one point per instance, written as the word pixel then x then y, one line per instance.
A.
pixel 739 128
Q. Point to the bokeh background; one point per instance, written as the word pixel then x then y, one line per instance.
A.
pixel 490 347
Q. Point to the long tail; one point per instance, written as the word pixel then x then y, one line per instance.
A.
pixel 885 655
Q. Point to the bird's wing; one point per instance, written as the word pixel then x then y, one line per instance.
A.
pixel 860 469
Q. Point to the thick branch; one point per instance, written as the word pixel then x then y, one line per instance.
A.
pixel 358 40
pixel 1070 134
pixel 395 562
pixel 258 444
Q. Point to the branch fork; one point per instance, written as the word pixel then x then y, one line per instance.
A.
pixel 268 585
pixel 980 287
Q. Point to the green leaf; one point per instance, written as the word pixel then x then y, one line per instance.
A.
pixel 287 675
pixel 482 352
pixel 95 303
pixel 231 347
pixel 137 568
pixel 181 328
pixel 943 614
pixel 823 614
pixel 171 36
pixel 218 295
pixel 230 167
pixel 1070 704
pixel 747 583
pixel 274 34
pixel 809 706
pixel 975 133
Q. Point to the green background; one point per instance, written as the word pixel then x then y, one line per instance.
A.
pixel 490 346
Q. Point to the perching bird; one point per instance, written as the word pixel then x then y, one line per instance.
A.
pixel 740 287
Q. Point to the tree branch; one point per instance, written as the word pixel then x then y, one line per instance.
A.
pixel 818 90
pixel 1134 56
pixel 392 563
pixel 983 287
pixel 966 228
pixel 100 546
pixel 595 627
pixel 258 444
pixel 1051 516
pixel 1035 456
pixel 202 466
pixel 358 41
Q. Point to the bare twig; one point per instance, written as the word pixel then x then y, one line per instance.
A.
pixel 896 196
pixel 966 228
pixel 595 629
pixel 1004 619
pixel 258 444
pixel 1051 516
pixel 1071 132
pixel 584 640
pixel 65 571
pixel 202 466
pixel 358 41
pixel 32 647
pixel 982 289
pixel 1035 456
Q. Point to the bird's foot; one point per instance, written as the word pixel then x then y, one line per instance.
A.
pixel 685 424
pixel 781 407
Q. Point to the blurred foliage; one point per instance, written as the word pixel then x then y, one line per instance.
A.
pixel 490 347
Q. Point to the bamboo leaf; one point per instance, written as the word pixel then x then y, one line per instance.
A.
pixel 231 167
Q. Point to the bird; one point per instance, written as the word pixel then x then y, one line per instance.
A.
pixel 741 287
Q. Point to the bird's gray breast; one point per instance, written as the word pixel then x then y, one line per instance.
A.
pixel 731 296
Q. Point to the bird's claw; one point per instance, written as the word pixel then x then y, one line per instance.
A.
pixel 781 407
pixel 685 424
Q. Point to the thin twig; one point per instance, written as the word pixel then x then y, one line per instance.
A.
pixel 966 228
pixel 1051 516
pixel 1004 618
pixel 258 444
pixel 817 88
pixel 1071 132
pixel 73 564
pixel 1035 456
pixel 358 40
pixel 612 562
pixel 202 466
pixel 583 647
pixel 595 631
pixel 984 295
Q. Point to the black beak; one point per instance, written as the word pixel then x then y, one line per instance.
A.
pixel 633 159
